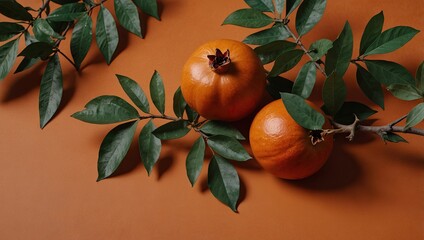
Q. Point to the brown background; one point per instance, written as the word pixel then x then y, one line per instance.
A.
pixel 367 190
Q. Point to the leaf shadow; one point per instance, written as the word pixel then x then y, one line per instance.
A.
pixel 24 83
pixel 129 163
pixel 412 159
pixel 164 164
pixel 123 42
pixel 340 171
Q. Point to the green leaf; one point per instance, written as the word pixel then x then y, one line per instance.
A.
pixel 12 9
pixel 249 18
pixel 269 52
pixel 58 27
pixel 81 39
pixel 149 7
pixel 8 30
pixel 62 2
pixel 415 116
pixel 27 62
pixel 305 80
pixel 261 5
pixel 275 33
pixel 29 38
pixel 279 6
pixel 390 40
pixel 44 32
pixel 223 181
pixel 107 109
pixel 308 15
pixel 302 113
pixel 370 86
pixel 157 92
pixel 51 89
pixel 221 128
pixel 338 57
pixel 346 114
pixel 8 54
pixel 134 91
pixel 67 12
pixel 191 114
pixel 106 34
pixel 286 61
pixel 172 130
pixel 195 159
pixel 419 77
pixel 228 147
pixel 278 84
pixel 37 50
pixel 404 91
pixel 127 15
pixel 179 104
pixel 388 73
pixel 333 93
pixel 371 32
pixel 114 147
pixel 149 146
pixel 393 137
pixel 320 48
pixel 291 5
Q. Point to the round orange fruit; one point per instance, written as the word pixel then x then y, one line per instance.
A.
pixel 223 80
pixel 283 147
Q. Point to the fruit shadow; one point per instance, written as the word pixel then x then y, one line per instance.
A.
pixel 340 171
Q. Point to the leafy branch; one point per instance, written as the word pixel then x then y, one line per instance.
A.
pixel 275 47
pixel 49 31
pixel 222 139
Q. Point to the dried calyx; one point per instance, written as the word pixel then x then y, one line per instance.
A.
pixel 219 60
pixel 316 136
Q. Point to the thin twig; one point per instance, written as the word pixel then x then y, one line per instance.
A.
pixel 152 116
pixel 67 58
pixel 300 44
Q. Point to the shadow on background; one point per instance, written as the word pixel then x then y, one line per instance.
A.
pixel 24 82
pixel 130 162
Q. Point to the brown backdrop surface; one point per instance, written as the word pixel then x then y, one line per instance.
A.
pixel 367 190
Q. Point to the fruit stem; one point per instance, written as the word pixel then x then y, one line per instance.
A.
pixel 218 61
